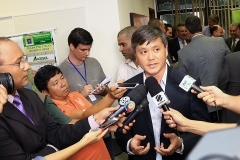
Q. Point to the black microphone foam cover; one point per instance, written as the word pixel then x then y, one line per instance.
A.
pixel 153 86
pixel 138 94
pixel 177 76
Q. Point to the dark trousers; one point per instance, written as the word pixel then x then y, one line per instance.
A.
pixel 215 116
pixel 109 144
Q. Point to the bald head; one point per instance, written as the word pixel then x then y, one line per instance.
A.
pixel 216 31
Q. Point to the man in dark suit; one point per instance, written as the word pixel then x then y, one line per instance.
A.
pixel 29 131
pixel 229 81
pixel 177 43
pixel 237 48
pixel 150 138
pixel 232 41
pixel 203 57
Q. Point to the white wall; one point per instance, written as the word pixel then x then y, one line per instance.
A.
pixel 135 6
pixel 103 19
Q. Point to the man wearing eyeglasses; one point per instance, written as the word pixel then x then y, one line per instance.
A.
pixel 26 129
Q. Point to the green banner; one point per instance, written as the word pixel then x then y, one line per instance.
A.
pixel 38 43
pixel 235 16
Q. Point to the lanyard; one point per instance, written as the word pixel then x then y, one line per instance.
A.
pixel 85 75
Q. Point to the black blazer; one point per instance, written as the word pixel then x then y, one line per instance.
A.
pixel 237 48
pixel 174 47
pixel 185 102
pixel 229 81
pixel 229 43
pixel 22 140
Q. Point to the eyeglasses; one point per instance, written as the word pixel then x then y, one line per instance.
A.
pixel 20 64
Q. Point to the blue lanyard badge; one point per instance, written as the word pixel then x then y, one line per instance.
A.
pixel 85 73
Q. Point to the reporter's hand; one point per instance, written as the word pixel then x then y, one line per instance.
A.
pixel 93 136
pixel 86 90
pixel 175 143
pixel 100 88
pixel 212 94
pixel 103 114
pixel 115 92
pixel 3 97
pixel 178 120
pixel 114 127
pixel 135 147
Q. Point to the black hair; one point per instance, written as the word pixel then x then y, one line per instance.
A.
pixel 213 28
pixel 167 25
pixel 180 25
pixel 43 76
pixel 147 33
pixel 193 24
pixel 79 36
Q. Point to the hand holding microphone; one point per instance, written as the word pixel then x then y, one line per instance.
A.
pixel 185 82
pixel 140 108
pixel 127 103
pixel 158 96
pixel 175 119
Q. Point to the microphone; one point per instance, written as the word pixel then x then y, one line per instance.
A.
pixel 159 98
pixel 127 103
pixel 140 108
pixel 185 82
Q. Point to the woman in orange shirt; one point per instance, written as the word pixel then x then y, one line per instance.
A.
pixel 50 81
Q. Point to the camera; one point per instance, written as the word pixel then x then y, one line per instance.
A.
pixel 6 80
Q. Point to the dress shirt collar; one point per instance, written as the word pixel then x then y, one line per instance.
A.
pixel 11 97
pixel 163 80
pixel 181 41
pixel 131 63
pixel 196 35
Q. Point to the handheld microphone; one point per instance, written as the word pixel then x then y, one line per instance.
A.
pixel 185 82
pixel 159 98
pixel 128 103
pixel 140 108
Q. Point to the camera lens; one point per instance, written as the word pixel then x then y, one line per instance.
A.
pixel 6 80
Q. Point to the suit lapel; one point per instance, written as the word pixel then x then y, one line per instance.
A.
pixel 148 119
pixel 146 113
pixel 11 111
pixel 177 44
pixel 171 91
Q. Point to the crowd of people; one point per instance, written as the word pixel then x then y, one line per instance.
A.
pixel 66 124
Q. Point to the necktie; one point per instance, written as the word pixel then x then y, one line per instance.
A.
pixel 17 101
pixel 233 45
pixel 184 44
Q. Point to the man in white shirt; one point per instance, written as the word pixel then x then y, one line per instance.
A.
pixel 130 66
pixel 150 138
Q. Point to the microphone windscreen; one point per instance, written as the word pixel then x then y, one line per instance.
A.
pixel 143 105
pixel 153 86
pixel 177 76
pixel 138 93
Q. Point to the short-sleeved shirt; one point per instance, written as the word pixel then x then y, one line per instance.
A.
pixel 94 75
pixel 128 69
pixel 76 102
pixel 55 112
pixel 97 150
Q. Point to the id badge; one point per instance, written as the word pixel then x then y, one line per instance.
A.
pixel 92 97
